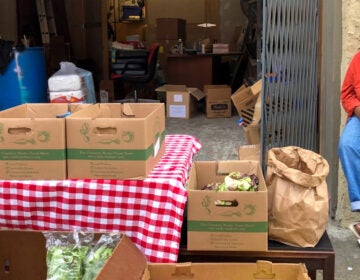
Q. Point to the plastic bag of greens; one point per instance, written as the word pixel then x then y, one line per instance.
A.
pixel 66 253
pixel 99 254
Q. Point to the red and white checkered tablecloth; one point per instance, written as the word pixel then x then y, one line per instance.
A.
pixel 149 211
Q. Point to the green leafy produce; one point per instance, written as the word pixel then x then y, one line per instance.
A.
pixel 74 256
pixel 95 260
pixel 65 262
pixel 236 181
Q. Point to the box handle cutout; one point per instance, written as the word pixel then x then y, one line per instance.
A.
pixel 105 130
pixel 226 203
pixel 6 266
pixel 183 270
pixel 264 270
pixel 19 130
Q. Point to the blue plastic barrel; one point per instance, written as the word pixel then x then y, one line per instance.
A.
pixel 24 80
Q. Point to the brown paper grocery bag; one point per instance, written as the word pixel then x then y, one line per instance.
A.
pixel 298 196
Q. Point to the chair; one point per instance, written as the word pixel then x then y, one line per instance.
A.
pixel 137 68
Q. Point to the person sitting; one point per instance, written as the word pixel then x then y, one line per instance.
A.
pixel 349 143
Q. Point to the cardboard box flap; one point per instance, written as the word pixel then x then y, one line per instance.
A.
pixel 14 112
pixel 92 112
pixel 127 111
pixel 244 99
pixel 107 110
pixel 225 167
pixel 257 111
pixel 256 87
pixel 127 260
pixel 172 88
pixel 230 271
pixel 208 88
pixel 197 93
pixel 168 271
pixel 50 110
pixel 35 110
pixel 75 107
pixel 249 152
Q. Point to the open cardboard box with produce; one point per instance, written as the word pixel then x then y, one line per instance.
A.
pixel 226 220
pixel 24 256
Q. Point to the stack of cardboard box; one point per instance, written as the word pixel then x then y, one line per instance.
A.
pixel 99 141
pixel 126 141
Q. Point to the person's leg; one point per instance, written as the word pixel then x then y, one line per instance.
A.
pixel 349 154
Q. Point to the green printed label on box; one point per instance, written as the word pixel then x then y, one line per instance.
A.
pixel 102 154
pixel 223 226
pixel 33 154
pixel 113 154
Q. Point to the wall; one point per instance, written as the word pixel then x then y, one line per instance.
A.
pixel 227 14
pixel 192 11
pixel 350 45
pixel 231 18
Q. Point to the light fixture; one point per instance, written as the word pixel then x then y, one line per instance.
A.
pixel 206 24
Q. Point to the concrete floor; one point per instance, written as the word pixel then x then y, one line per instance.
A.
pixel 220 139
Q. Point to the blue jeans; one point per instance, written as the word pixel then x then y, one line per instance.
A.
pixel 349 154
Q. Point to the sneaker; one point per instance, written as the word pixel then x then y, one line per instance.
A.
pixel 355 228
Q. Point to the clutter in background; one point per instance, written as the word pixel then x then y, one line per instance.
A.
pixel 22 76
pixel 5 54
pixel 71 84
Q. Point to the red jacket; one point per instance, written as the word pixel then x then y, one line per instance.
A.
pixel 350 90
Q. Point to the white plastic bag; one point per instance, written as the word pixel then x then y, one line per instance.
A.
pixel 71 78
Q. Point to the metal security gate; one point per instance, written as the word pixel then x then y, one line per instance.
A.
pixel 290 75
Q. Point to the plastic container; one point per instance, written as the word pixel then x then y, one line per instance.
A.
pixel 24 80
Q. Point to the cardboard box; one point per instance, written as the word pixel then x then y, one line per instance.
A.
pixel 33 143
pixel 124 29
pixel 252 133
pixel 251 115
pixel 115 141
pixel 181 101
pixel 247 101
pixel 131 12
pixel 171 29
pixel 249 152
pixel 246 97
pixel 218 101
pixel 24 256
pixel 212 226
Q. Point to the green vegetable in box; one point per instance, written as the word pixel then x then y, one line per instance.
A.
pixel 95 260
pixel 73 256
pixel 65 262
pixel 235 181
